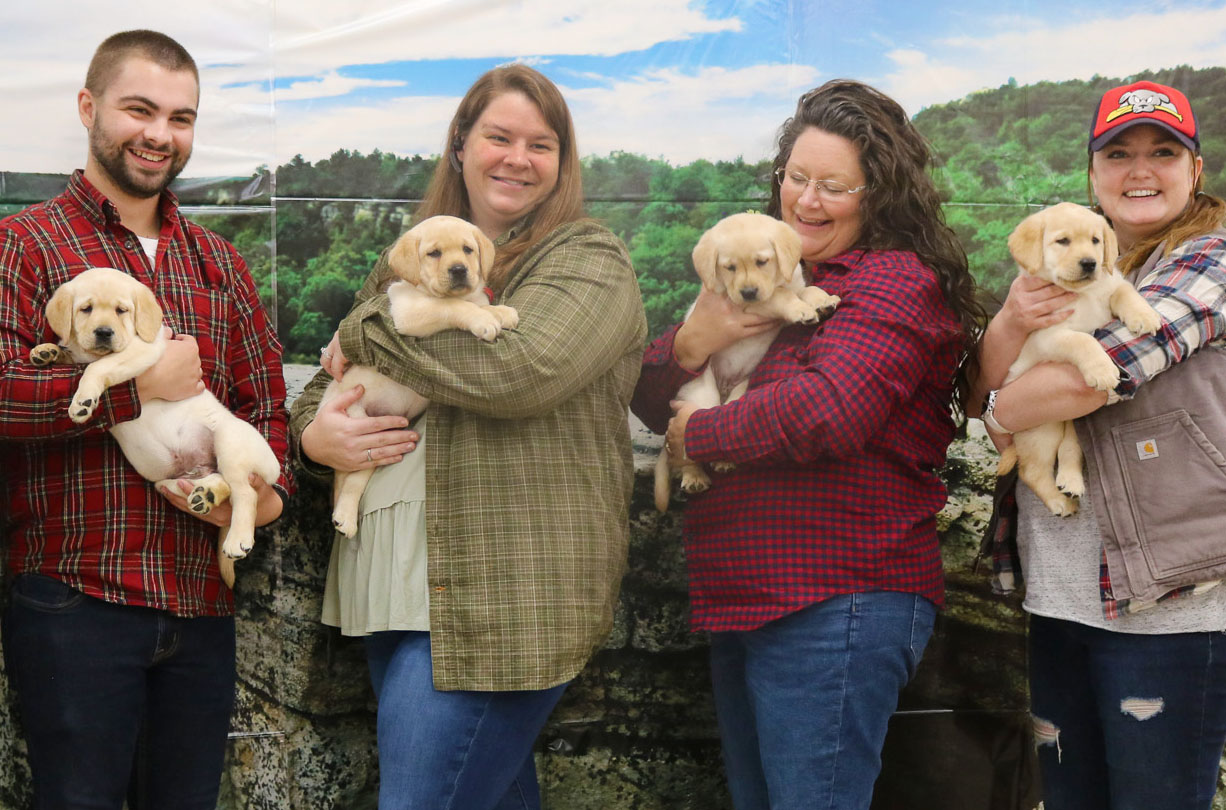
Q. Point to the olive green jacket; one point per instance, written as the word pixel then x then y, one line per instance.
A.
pixel 528 465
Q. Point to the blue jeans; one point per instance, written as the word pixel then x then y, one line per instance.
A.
pixel 451 750
pixel 92 676
pixel 804 701
pixel 1125 721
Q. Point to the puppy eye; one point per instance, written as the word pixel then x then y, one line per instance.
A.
pixel 761 262
pixel 467 250
pixel 121 310
pixel 731 268
pixel 434 254
pixel 1095 240
pixel 88 308
pixel 1063 240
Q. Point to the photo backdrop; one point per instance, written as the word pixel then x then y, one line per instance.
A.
pixel 320 123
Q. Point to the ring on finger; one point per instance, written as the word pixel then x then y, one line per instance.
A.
pixel 368 456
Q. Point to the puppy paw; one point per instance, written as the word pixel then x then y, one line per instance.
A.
pixel 723 466
pixel 210 492
pixel 1102 375
pixel 1144 321
pixel 1072 485
pixel 1061 505
pixel 236 547
pixel 694 481
pixel 44 354
pixel 83 405
pixel 485 325
pixel 507 316
pixel 345 527
pixel 800 311
pixel 820 301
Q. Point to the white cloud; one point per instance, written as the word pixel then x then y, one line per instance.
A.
pixel 1032 50
pixel 324 34
pixel 715 113
pixel 234 42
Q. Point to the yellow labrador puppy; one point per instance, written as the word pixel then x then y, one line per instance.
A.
pixel 1075 249
pixel 441 263
pixel 754 260
pixel 111 322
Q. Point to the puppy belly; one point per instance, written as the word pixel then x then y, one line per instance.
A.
pixel 162 451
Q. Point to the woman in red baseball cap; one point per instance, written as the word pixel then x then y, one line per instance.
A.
pixel 1127 611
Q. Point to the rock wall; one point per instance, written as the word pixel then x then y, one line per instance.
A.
pixel 637 729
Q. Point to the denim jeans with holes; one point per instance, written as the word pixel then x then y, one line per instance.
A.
pixel 91 677
pixel 804 701
pixel 1125 721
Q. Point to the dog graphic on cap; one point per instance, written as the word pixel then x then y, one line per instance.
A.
pixel 1144 101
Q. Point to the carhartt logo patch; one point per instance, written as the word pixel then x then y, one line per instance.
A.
pixel 1147 449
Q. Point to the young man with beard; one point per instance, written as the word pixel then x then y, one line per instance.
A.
pixel 118 627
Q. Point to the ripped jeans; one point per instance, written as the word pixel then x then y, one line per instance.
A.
pixel 1126 721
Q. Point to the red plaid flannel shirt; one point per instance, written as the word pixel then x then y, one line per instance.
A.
pixel 837 444
pixel 76 510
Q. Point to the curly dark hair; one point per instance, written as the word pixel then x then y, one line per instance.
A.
pixel 901 208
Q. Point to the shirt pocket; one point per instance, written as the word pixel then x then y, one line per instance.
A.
pixel 207 314
pixel 1175 482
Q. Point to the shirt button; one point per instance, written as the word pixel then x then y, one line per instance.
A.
pixel 128 244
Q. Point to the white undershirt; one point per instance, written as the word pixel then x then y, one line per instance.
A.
pixel 150 247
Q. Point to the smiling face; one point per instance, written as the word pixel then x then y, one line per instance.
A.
pixel 1143 180
pixel 510 162
pixel 141 128
pixel 826 228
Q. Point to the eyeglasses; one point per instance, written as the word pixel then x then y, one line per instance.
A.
pixel 828 190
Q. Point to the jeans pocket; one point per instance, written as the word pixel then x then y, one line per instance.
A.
pixel 923 622
pixel 46 594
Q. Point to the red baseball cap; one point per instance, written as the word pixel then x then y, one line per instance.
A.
pixel 1144 103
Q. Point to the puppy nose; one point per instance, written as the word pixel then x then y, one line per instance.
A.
pixel 104 333
pixel 1088 266
pixel 458 274
pixel 750 294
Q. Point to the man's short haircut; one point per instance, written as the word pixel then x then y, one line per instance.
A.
pixel 118 48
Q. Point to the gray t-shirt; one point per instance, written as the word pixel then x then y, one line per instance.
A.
pixel 1060 563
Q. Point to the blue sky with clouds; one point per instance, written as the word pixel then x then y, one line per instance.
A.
pixel 678 79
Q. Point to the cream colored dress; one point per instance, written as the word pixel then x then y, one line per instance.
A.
pixel 377 580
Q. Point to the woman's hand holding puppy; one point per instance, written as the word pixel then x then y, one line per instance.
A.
pixel 342 442
pixel 716 323
pixel 1033 304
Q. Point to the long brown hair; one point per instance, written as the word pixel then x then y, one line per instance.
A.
pixel 447 193
pixel 1204 213
pixel 901 208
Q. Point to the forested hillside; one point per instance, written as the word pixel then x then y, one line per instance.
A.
pixel 998 153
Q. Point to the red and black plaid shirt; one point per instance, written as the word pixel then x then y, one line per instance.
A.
pixel 76 510
pixel 837 445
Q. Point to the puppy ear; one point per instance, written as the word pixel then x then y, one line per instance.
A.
pixel 59 311
pixel 403 258
pixel 485 248
pixel 1026 243
pixel 146 313
pixel 704 263
pixel 1111 249
pixel 787 249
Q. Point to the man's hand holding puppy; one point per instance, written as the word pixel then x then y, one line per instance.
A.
pixel 177 375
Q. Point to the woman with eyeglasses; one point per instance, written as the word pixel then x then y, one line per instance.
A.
pixel 814 562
